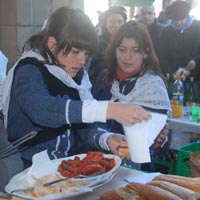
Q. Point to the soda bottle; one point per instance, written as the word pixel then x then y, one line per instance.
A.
pixel 191 93
pixel 177 98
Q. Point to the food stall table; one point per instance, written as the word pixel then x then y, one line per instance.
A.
pixel 116 182
pixel 184 124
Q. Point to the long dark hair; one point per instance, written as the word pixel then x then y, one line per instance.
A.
pixel 70 27
pixel 139 32
pixel 112 10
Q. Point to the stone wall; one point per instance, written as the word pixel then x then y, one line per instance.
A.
pixel 21 18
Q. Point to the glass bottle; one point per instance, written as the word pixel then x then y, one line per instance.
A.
pixel 191 93
pixel 185 91
pixel 177 98
pixel 169 85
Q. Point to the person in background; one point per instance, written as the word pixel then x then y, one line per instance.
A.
pixel 180 44
pixel 100 23
pixel 162 18
pixel 113 18
pixel 137 17
pixel 133 74
pixel 48 91
pixel 148 17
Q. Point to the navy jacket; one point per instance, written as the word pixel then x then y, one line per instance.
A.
pixel 38 102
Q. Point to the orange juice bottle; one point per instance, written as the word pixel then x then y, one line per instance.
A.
pixel 177 109
pixel 177 98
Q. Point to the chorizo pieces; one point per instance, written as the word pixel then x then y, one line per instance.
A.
pixel 91 163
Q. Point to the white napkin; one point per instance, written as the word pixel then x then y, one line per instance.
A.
pixel 42 166
pixel 141 136
pixel 144 178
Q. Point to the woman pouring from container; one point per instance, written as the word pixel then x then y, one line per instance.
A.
pixel 48 91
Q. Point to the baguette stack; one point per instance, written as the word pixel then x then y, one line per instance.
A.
pixel 162 187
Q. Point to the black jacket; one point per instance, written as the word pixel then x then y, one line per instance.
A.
pixel 178 47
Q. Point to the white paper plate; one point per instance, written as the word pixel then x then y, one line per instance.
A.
pixel 20 181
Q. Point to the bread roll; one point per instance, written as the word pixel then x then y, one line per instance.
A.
pixel 186 182
pixel 196 180
pixel 123 193
pixel 149 192
pixel 183 193
pixel 117 194
pixel 135 197
pixel 156 193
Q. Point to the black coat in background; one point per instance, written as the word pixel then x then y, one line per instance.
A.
pixel 155 31
pixel 98 62
pixel 178 47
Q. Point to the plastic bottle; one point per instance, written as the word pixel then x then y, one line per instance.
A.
pixel 177 98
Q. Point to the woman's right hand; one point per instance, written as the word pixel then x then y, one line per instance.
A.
pixel 127 113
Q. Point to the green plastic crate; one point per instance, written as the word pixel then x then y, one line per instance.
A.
pixel 183 165
pixel 166 161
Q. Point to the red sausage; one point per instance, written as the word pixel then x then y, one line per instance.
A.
pixel 90 169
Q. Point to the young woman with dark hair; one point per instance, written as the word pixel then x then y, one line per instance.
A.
pixel 48 91
pixel 133 74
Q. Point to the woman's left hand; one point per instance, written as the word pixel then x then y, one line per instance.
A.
pixel 114 142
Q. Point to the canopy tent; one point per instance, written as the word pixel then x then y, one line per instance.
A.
pixel 133 3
